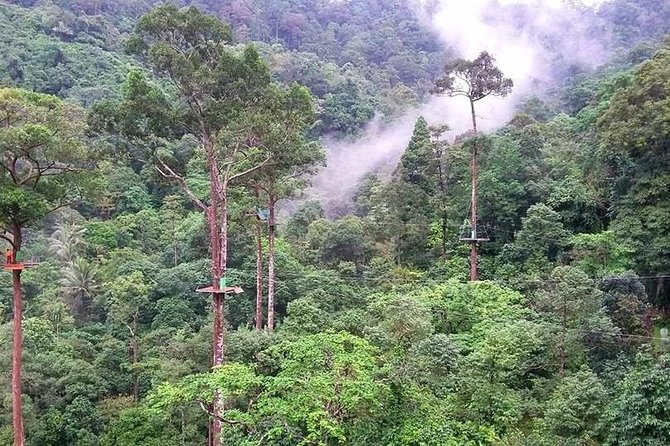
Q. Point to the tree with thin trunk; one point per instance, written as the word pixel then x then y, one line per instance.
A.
pixel 475 80
pixel 127 296
pixel 571 302
pixel 216 88
pixel 44 165
pixel 282 125
pixel 442 158
pixel 258 239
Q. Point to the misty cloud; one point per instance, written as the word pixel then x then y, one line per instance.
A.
pixel 526 38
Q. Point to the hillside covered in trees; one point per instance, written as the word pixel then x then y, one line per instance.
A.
pixel 169 278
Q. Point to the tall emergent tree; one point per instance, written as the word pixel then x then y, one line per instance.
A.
pixel 474 80
pixel 44 163
pixel 218 90
pixel 281 126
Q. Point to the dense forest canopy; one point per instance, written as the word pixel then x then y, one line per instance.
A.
pixel 152 150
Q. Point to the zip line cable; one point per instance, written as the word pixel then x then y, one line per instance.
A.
pixel 439 281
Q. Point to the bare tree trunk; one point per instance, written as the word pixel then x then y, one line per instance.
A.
pixel 174 240
pixel 272 228
pixel 218 341
pixel 444 236
pixel 216 215
pixel 474 276
pixel 564 329
pixel 220 306
pixel 217 220
pixel 443 214
pixel 221 298
pixel 259 275
pixel 134 357
pixel 17 351
pixel 17 345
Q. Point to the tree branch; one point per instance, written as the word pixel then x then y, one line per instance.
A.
pixel 7 239
pixel 14 179
pixel 205 409
pixel 250 170
pixel 169 173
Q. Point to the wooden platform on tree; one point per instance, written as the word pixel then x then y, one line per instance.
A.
pixel 227 290
pixel 474 240
pixel 18 266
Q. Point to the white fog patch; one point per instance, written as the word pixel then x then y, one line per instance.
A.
pixel 524 36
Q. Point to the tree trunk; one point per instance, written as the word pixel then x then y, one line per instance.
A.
pixel 443 215
pixel 272 228
pixel 133 350
pixel 444 236
pixel 219 333
pixel 564 330
pixel 17 351
pixel 17 345
pixel 474 276
pixel 216 216
pixel 174 241
pixel 259 275
pixel 219 299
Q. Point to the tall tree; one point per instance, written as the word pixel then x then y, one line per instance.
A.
pixel 43 161
pixel 282 126
pixel 258 238
pixel 218 89
pixel 410 191
pixel 127 297
pixel 571 301
pixel 475 80
pixel 442 158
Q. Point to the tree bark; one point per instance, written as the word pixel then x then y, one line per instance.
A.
pixel 442 184
pixel 174 241
pixel 259 275
pixel 134 357
pixel 474 275
pixel 17 345
pixel 216 215
pixel 564 330
pixel 272 228
pixel 219 334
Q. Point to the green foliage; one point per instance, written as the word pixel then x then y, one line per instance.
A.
pixel 379 341
pixel 47 136
pixel 323 384
pixel 634 138
pixel 575 407
pixel 638 413
pixel 481 77
pixel 79 64
pixel 600 254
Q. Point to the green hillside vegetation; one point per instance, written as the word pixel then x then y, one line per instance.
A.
pixel 148 151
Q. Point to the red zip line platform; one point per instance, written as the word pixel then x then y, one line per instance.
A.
pixel 12 265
